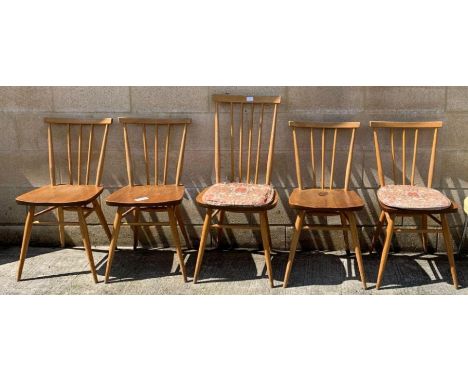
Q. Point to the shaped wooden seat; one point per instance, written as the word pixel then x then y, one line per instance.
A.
pixel 421 203
pixel 164 194
pixel 245 120
pixel 78 195
pixel 326 200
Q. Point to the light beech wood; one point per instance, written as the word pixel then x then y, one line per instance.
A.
pixel 325 201
pixel 74 196
pixel 247 129
pixel 201 248
pixel 389 213
pixel 157 197
pixel 25 243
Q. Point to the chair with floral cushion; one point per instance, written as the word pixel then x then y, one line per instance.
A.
pixel 243 126
pixel 404 198
pixel 465 226
pixel 324 198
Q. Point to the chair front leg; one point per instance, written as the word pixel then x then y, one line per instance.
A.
pixel 102 219
pixel 86 243
pixel 61 221
pixel 201 248
pixel 176 238
pixel 136 229
pixel 378 230
pixel 449 248
pixel 113 245
pixel 25 244
pixel 292 250
pixel 386 248
pixel 357 246
pixel 183 229
pixel 266 245
pixel 345 233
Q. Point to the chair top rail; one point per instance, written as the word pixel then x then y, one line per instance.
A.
pixel 78 121
pixel 324 125
pixel 227 98
pixel 155 121
pixel 406 125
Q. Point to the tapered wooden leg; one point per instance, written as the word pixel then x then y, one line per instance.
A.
pixel 61 220
pixel 180 220
pixel 102 219
pixel 220 230
pixel 357 246
pixel 266 245
pixel 175 236
pixel 462 240
pixel 86 243
pixel 424 238
pixel 269 233
pixel 26 235
pixel 345 233
pixel 378 229
pixel 386 248
pixel 136 229
pixel 201 248
pixel 113 244
pixel 293 245
pixel 449 248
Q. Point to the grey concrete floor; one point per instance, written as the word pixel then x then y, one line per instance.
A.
pixel 155 271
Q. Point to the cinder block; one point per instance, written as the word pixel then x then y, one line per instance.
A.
pixel 455 134
pixel 405 98
pixel 457 98
pixel 26 98
pixel 326 99
pixel 10 139
pixel 90 99
pixel 169 99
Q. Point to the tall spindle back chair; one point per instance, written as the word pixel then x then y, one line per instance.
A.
pixel 244 135
pixel 404 197
pixel 162 144
pixel 327 196
pixel 75 180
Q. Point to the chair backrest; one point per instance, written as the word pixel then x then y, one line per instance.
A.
pixel 404 129
pixel 88 160
pixel 248 124
pixel 162 134
pixel 322 129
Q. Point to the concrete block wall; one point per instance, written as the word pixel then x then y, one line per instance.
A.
pixel 23 149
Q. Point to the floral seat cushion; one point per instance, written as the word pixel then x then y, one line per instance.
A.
pixel 412 198
pixel 239 195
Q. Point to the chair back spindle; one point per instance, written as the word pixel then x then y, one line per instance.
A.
pixel 85 163
pixel 170 143
pixel 334 130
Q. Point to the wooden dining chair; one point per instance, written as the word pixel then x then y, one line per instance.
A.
pixel 243 128
pixel 165 193
pixel 403 198
pixel 324 199
pixel 73 187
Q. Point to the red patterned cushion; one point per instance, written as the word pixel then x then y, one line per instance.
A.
pixel 412 198
pixel 239 194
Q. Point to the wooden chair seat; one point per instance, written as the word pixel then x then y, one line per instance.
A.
pixel 411 212
pixel 236 194
pixel 61 195
pixel 325 200
pixel 147 196
pixel 412 197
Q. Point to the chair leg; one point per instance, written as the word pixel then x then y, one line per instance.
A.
pixel 102 219
pixel 61 220
pixel 175 236
pixel 424 238
pixel 180 220
pixel 357 246
pixel 378 230
pixel 293 246
pixel 345 234
pixel 449 248
pixel 86 243
pixel 462 240
pixel 266 245
pixel 220 230
pixel 386 248
pixel 113 244
pixel 136 229
pixel 269 233
pixel 201 248
pixel 26 235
